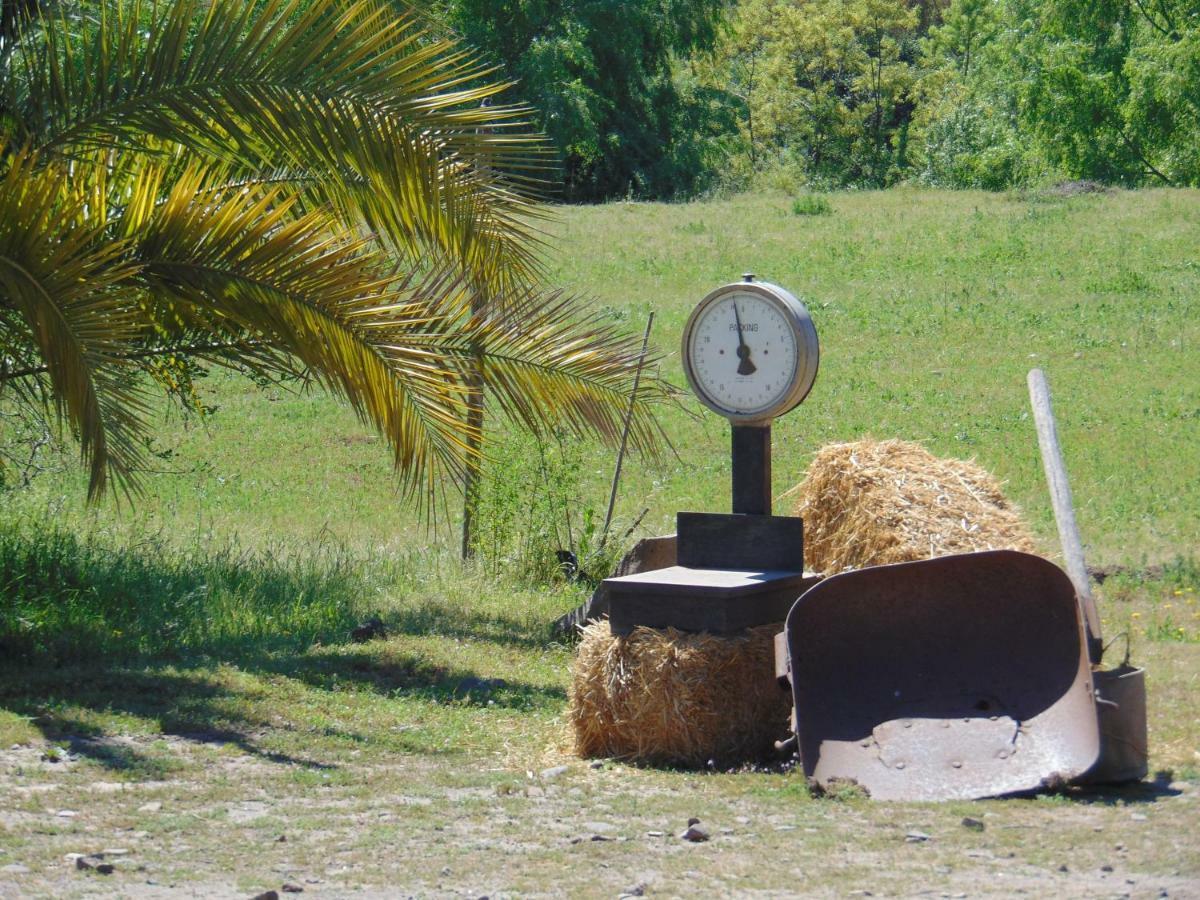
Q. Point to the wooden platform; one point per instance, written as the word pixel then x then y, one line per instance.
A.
pixel 720 601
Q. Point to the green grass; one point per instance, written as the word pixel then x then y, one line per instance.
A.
pixel 192 649
pixel 931 307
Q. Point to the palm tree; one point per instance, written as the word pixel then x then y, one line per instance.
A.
pixel 290 186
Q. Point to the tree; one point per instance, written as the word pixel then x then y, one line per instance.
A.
pixel 824 85
pixel 291 187
pixel 601 75
pixel 1108 91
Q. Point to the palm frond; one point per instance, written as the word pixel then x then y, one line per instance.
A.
pixel 239 261
pixel 546 360
pixel 71 286
pixel 380 116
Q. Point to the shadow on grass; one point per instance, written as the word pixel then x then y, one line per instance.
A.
pixel 1149 790
pixel 74 705
pixel 91 634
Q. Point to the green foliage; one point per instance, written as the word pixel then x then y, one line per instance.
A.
pixel 1017 90
pixel 66 595
pixel 811 205
pixel 534 506
pixel 603 77
pixel 824 86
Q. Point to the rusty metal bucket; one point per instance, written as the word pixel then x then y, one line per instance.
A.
pixel 952 678
pixel 1121 703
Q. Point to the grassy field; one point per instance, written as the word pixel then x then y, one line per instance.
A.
pixel 178 676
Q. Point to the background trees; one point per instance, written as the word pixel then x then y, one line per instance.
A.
pixel 610 86
pixel 662 99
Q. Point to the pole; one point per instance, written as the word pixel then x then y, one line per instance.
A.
pixel 1064 508
pixel 637 377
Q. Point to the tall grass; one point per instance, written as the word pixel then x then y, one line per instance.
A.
pixel 71 596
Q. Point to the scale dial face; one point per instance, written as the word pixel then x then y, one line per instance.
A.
pixel 750 351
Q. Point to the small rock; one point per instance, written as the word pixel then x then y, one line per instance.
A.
pixel 266 895
pixel 601 837
pixel 553 772
pixel 445 871
pixel 1106 868
pixel 693 821
pixel 916 837
pixel 114 851
pixel 1138 817
pixel 1063 868
pixel 1118 847
pixel 105 868
pixel 290 887
pixel 596 764
pixel 696 833
pixel 152 806
pixel 655 833
pixel 66 814
pixel 83 863
pixel 282 839
pixel 638 890
pixel 973 824
pixel 742 820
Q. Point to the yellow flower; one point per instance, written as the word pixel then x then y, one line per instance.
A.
pixel 1137 615
pixel 1179 593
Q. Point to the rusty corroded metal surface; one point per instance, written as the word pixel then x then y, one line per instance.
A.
pixel 1121 704
pixel 953 678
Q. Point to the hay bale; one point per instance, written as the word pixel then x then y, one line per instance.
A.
pixel 870 503
pixel 671 697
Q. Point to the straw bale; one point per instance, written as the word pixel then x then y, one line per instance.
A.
pixel 677 698
pixel 870 503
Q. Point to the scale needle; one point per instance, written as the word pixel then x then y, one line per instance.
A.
pixel 745 367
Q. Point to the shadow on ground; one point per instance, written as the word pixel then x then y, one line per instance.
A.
pixel 209 702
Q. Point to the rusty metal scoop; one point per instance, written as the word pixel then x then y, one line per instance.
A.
pixel 953 678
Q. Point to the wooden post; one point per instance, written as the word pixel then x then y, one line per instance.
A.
pixel 1064 508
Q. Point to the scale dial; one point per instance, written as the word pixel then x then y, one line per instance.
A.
pixel 750 352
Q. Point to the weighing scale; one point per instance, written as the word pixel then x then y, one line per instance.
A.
pixel 750 353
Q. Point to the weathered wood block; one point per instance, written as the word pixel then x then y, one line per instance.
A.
pixel 738 541
pixel 720 601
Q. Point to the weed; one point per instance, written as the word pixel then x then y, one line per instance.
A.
pixel 811 205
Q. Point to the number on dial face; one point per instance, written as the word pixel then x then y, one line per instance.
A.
pixel 743 353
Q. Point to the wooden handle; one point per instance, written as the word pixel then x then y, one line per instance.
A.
pixel 1064 508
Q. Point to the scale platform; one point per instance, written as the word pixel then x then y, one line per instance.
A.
pixel 720 601
pixel 734 572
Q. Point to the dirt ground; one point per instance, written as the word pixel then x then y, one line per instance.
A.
pixel 222 822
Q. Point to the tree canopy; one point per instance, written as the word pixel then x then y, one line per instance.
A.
pixel 663 98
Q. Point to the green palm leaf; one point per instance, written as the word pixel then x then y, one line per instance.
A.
pixel 366 109
pixel 65 287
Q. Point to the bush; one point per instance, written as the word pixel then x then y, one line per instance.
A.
pixel 811 205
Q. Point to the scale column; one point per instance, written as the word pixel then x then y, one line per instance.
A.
pixel 752 469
